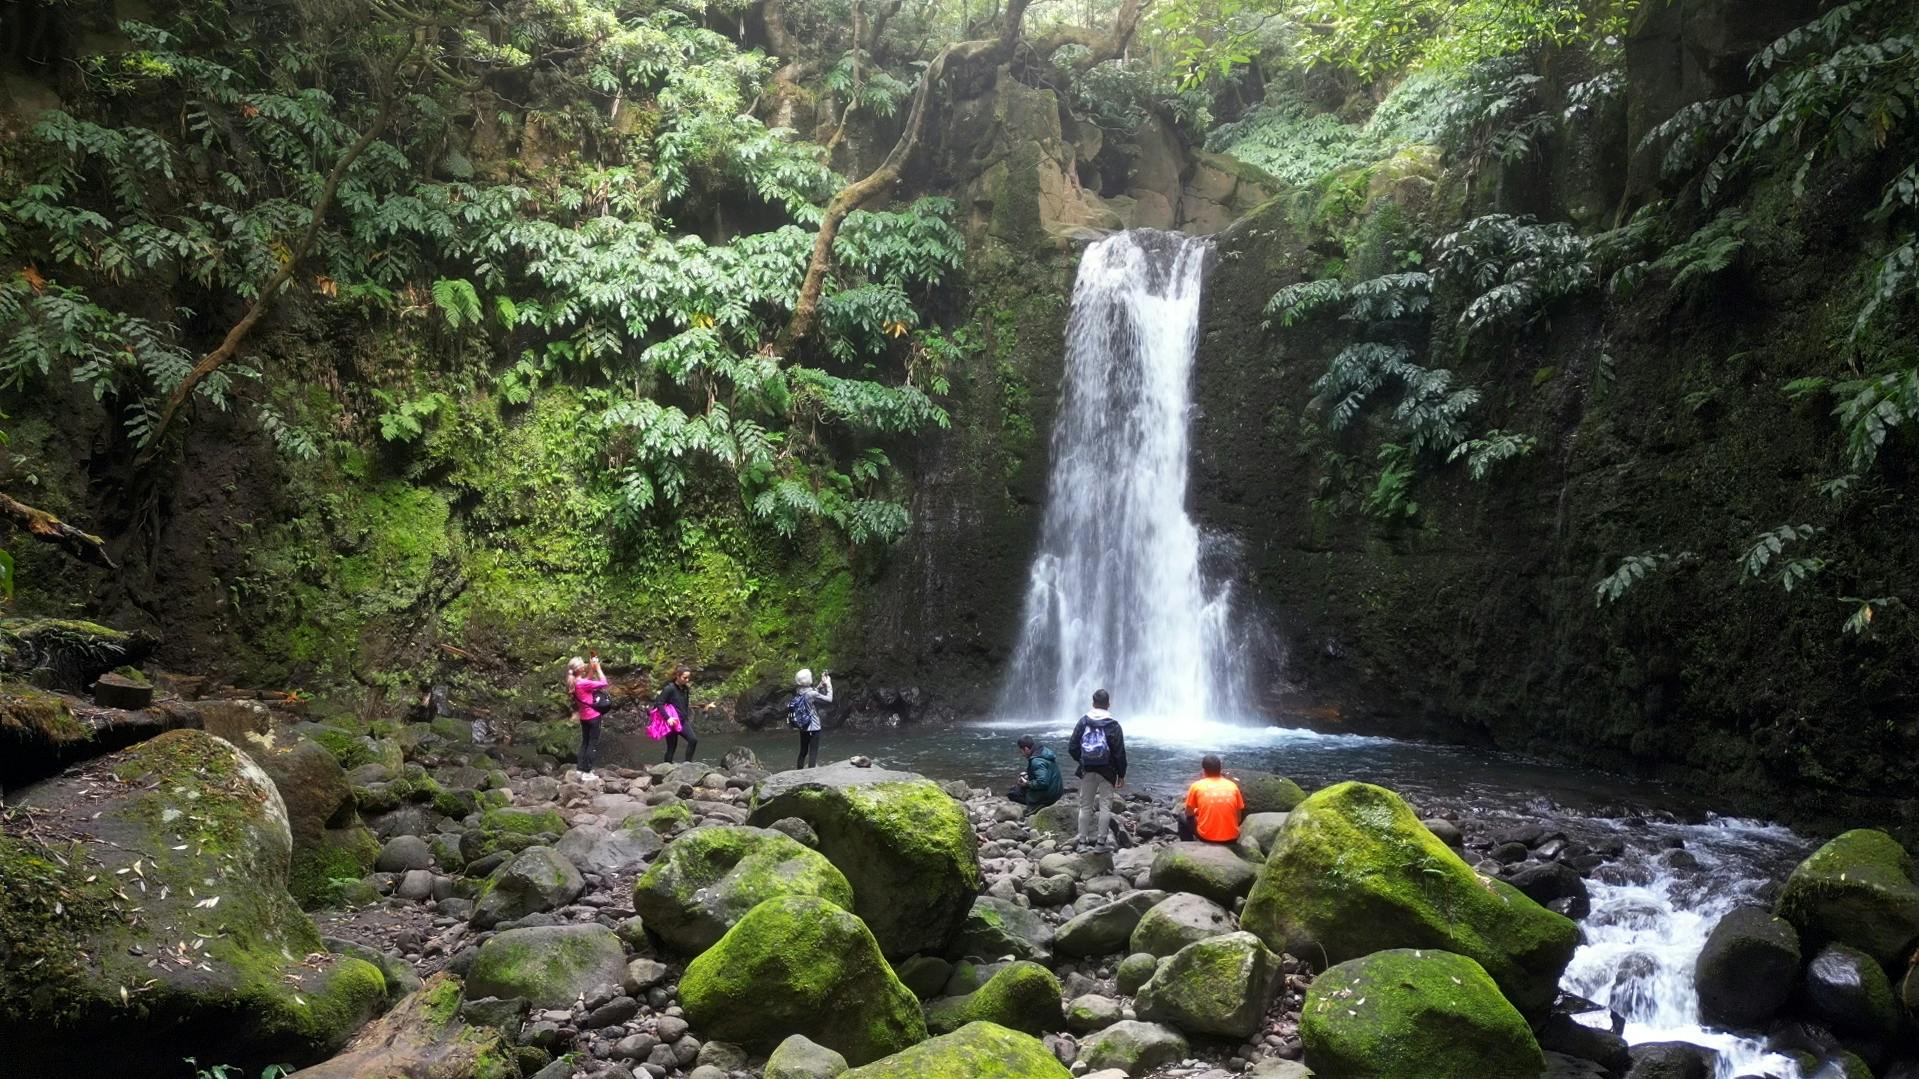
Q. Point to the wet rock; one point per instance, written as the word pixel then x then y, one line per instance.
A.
pixel 1563 1034
pixel 1177 921
pixel 1406 1012
pixel 1133 1047
pixel 1857 890
pixel 1747 969
pixel 1671 1060
pixel 1220 986
pixel 1846 989
pixel 1547 882
pixel 1106 928
pixel 538 879
pixel 925 975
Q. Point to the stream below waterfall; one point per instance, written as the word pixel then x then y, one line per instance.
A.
pixel 1649 916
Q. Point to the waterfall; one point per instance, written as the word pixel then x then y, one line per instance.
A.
pixel 1117 597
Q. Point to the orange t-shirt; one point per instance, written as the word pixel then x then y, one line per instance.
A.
pixel 1215 803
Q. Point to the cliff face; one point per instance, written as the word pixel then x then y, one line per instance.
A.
pixel 1661 426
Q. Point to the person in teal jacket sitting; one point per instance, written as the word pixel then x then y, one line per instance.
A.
pixel 1040 785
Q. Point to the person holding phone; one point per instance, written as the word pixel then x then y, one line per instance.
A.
pixel 583 678
pixel 803 714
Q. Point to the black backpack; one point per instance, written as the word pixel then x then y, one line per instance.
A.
pixel 1094 752
pixel 602 700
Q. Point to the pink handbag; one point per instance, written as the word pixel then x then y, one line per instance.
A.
pixel 662 721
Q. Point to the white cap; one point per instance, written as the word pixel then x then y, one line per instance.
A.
pixel 804 678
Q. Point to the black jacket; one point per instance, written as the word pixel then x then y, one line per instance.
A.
pixel 676 695
pixel 1115 768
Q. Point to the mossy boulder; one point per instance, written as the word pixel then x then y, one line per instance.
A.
pixel 512 830
pixel 1134 1047
pixel 1021 996
pixel 1747 969
pixel 1354 872
pixel 1857 890
pixel 904 844
pixel 706 880
pixel 1218 986
pixel 536 879
pixel 1849 992
pixel 975 1051
pixel 1261 828
pixel 801 965
pixel 422 1036
pixel 330 845
pixel 1405 1012
pixel 1179 920
pixel 548 965
pixel 995 928
pixel 1267 793
pixel 177 849
pixel 67 653
pixel 1209 869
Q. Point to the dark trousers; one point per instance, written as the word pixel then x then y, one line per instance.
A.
pixel 1030 798
pixel 809 750
pixel 589 743
pixel 673 742
pixel 1189 831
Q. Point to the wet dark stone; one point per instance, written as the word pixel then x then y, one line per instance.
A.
pixel 1747 969
pixel 1527 835
pixel 1508 853
pixel 1546 882
pixel 1564 1034
pixel 1789 1036
pixel 1671 1060
pixel 1848 989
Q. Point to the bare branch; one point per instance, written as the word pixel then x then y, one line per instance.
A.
pixel 47 528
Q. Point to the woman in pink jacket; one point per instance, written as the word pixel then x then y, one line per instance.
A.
pixel 582 678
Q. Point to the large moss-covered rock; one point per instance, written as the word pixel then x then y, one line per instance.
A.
pixel 425 1037
pixel 995 928
pixel 1179 920
pixel 904 844
pixel 801 965
pixel 1857 890
pixel 329 842
pixel 1218 986
pixel 1023 996
pixel 536 879
pixel 708 879
pixel 975 1051
pixel 67 653
pixel 148 918
pixel 1406 1012
pixel 1747 969
pixel 1209 869
pixel 1354 872
pixel 549 965
pixel 511 829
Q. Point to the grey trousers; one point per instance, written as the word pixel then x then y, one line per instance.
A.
pixel 1095 799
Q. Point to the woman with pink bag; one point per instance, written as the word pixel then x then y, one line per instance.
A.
pixel 672 711
pixel 586 684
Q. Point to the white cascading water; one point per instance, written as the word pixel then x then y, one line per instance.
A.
pixel 1646 929
pixel 1117 598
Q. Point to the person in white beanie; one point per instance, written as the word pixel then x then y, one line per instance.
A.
pixel 804 717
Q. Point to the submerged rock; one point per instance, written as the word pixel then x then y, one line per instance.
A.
pixel 1406 1012
pixel 1857 890
pixel 801 965
pixel 708 879
pixel 149 919
pixel 1354 872
pixel 975 1051
pixel 905 845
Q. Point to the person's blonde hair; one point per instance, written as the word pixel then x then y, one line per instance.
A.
pixel 573 668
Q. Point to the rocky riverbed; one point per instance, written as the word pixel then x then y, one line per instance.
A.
pixel 483 910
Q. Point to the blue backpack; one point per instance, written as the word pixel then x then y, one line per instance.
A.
pixel 799 712
pixel 1093 750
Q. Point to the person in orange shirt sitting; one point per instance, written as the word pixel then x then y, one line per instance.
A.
pixel 1214 806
